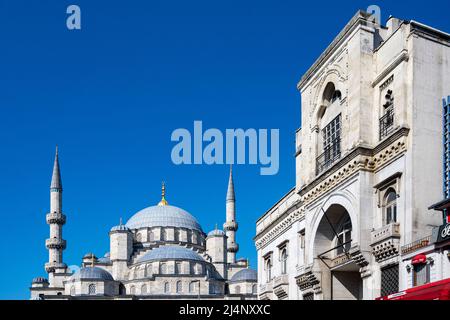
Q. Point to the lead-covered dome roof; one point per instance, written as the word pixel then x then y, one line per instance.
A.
pixel 163 216
pixel 245 275
pixel 170 253
pixel 91 273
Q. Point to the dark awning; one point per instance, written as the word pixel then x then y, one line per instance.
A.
pixel 441 205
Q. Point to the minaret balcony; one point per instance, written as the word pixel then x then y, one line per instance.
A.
pixel 55 218
pixel 55 243
pixel 233 247
pixel 52 266
pixel 230 226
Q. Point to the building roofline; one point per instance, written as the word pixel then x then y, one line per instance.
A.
pixel 358 18
pixel 276 203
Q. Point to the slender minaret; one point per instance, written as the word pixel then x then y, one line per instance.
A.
pixel 55 219
pixel 230 224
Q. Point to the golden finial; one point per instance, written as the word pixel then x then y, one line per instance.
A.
pixel 163 201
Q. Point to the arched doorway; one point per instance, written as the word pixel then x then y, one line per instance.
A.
pixel 340 277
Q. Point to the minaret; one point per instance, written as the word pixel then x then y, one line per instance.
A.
pixel 230 224
pixel 55 219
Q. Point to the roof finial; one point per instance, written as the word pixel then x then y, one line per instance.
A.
pixel 92 260
pixel 216 226
pixel 163 201
pixel 120 221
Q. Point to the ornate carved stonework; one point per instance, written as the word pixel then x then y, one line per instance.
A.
pixel 308 280
pixel 280 227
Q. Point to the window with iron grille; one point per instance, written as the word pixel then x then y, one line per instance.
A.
pixel 331 135
pixel 389 280
pixel 421 274
pixel 387 120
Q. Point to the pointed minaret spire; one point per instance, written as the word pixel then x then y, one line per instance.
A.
pixel 56 176
pixel 230 191
pixel 230 226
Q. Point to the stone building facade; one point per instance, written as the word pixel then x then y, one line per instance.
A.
pixel 368 155
pixel 161 252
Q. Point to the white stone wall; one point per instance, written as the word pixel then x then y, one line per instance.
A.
pixel 415 67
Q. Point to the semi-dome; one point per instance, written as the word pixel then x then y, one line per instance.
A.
pixel 170 253
pixel 163 216
pixel 245 275
pixel 91 273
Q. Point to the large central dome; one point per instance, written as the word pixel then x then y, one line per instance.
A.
pixel 163 216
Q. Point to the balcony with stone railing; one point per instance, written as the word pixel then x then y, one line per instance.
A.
pixel 55 243
pixel 265 291
pixel 385 241
pixel 52 266
pixel 281 286
pixel 55 217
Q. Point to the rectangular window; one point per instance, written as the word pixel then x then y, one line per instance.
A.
pixel 389 280
pixel 331 136
pixel 421 274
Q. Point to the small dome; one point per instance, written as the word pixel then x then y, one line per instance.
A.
pixel 120 227
pixel 89 256
pixel 216 233
pixel 245 275
pixel 170 253
pixel 104 259
pixel 163 216
pixel 40 280
pixel 92 273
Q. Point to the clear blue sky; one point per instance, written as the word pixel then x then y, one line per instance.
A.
pixel 111 94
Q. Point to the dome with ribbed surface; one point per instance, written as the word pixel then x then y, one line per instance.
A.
pixel 92 273
pixel 163 216
pixel 170 253
pixel 245 275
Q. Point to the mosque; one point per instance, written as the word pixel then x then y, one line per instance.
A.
pixel 161 252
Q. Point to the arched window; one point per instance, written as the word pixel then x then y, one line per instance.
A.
pixel 179 287
pixel 268 270
pixel 192 287
pixel 132 290
pixel 237 290
pixel 122 290
pixel 138 237
pixel 283 260
pixel 144 289
pixel 178 268
pixel 149 270
pixel 151 236
pixel 254 289
pixel 336 96
pixel 72 290
pixel 344 236
pixel 166 287
pixel 163 268
pixel 91 289
pixel 390 206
